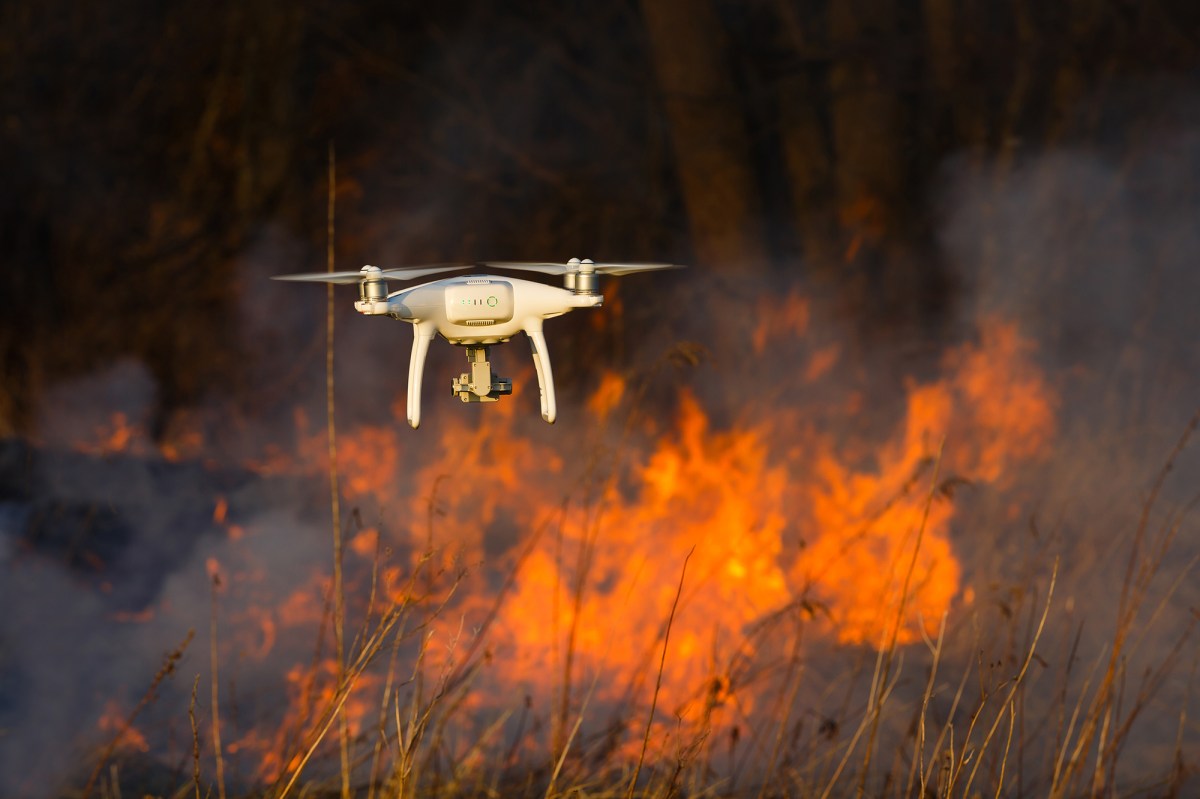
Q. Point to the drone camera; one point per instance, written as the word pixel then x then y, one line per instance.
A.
pixel 480 385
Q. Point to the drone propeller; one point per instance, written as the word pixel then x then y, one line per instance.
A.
pixel 574 266
pixel 397 273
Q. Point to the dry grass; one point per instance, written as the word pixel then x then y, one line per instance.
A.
pixel 936 736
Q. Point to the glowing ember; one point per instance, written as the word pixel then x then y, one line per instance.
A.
pixel 780 319
pixel 608 396
pixel 117 436
pixel 113 721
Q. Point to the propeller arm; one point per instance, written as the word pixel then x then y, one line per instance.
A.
pixel 541 361
pixel 423 333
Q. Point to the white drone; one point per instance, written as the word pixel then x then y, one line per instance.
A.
pixel 476 311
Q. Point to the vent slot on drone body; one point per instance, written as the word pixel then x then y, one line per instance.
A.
pixel 478 282
pixel 479 322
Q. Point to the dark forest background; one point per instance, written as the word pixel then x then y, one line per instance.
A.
pixel 146 146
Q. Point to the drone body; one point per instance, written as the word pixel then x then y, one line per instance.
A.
pixel 476 311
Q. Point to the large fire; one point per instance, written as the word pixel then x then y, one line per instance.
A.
pixel 564 571
pixel 772 530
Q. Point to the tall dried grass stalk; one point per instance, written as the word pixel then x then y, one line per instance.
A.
pixel 658 682
pixel 216 715
pixel 170 661
pixel 339 595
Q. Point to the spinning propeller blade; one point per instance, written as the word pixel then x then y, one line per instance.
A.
pixel 568 268
pixel 530 266
pixel 322 277
pixel 397 273
pixel 629 269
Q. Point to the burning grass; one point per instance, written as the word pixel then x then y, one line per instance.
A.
pixel 425 718
pixel 705 612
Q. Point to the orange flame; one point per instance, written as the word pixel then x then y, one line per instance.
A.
pixel 117 436
pixel 772 532
pixel 607 396
pixel 129 738
pixel 787 319
pixel 784 520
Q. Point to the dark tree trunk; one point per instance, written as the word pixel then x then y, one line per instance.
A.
pixel 708 133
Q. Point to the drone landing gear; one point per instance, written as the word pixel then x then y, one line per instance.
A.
pixel 479 385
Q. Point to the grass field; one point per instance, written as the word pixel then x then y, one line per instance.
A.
pixel 1029 688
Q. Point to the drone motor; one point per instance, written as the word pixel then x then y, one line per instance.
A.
pixel 583 280
pixel 372 288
